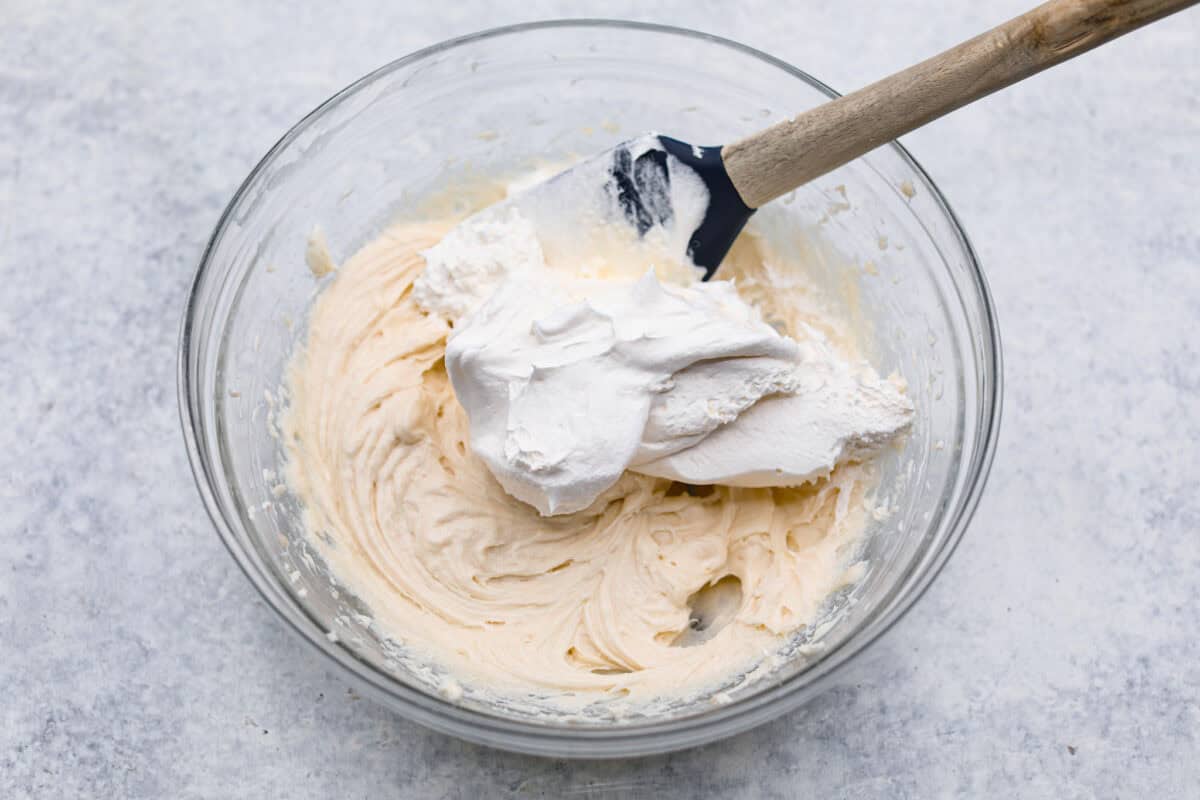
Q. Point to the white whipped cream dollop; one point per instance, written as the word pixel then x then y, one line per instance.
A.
pixel 560 381
pixel 569 381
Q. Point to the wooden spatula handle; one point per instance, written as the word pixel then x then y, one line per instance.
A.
pixel 775 161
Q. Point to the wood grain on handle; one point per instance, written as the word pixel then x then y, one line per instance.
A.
pixel 775 161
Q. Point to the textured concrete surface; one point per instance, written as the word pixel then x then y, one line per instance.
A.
pixel 1056 657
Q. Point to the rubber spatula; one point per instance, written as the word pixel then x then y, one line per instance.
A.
pixel 650 182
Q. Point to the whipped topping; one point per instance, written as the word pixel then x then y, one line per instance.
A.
pixel 559 379
pixel 469 264
pixel 568 381
pixel 835 412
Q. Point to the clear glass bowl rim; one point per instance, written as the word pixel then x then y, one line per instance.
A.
pixel 553 739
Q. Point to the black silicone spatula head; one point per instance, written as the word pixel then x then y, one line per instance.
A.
pixel 724 214
pixel 657 186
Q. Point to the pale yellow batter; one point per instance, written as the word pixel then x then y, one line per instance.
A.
pixel 450 565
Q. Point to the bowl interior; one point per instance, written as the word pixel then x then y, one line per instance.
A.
pixel 877 241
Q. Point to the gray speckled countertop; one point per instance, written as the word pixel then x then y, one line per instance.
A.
pixel 1057 656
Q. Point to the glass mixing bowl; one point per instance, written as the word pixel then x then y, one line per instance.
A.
pixel 881 242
